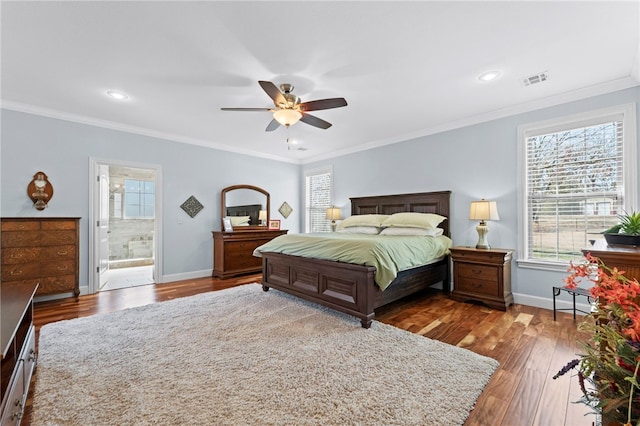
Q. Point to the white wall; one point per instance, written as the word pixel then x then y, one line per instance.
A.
pixel 62 150
pixel 474 162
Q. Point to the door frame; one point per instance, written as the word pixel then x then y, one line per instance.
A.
pixel 94 240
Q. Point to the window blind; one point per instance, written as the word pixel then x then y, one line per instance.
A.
pixel 575 187
pixel 318 198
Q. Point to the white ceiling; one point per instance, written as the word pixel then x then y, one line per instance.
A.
pixel 406 69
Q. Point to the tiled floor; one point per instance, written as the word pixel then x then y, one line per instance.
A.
pixel 128 277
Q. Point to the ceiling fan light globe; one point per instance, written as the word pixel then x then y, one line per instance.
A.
pixel 287 117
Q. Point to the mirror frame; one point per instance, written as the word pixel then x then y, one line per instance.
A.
pixel 223 206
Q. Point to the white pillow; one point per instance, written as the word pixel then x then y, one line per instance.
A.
pixel 363 220
pixel 240 220
pixel 412 231
pixel 370 230
pixel 414 220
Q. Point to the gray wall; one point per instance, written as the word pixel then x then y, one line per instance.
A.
pixel 474 162
pixel 62 150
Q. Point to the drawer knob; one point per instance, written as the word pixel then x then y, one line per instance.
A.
pixel 477 271
pixel 16 255
pixel 62 253
pixel 16 272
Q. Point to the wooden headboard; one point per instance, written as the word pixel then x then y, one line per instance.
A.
pixel 423 202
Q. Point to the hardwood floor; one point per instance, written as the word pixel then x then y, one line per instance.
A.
pixel 529 345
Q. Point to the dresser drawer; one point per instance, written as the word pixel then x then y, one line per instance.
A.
pixel 59 225
pixel 474 271
pixel 20 271
pixel 65 267
pixel 55 285
pixel 242 262
pixel 20 225
pixel 15 255
pixel 237 247
pixel 38 238
pixel 37 254
pixel 57 253
pixel 476 286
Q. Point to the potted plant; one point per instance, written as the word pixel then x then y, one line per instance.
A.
pixel 627 232
pixel 609 365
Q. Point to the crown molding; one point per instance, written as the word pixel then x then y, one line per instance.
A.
pixel 575 95
pixel 111 125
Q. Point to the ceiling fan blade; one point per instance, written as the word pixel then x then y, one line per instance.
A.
pixel 273 92
pixel 272 126
pixel 245 109
pixel 323 104
pixel 315 121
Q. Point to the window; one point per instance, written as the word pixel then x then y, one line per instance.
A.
pixel 139 199
pixel 318 196
pixel 577 175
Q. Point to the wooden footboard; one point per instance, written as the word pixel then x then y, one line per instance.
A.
pixel 351 288
pixel 342 286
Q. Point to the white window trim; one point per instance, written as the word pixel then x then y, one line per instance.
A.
pixel 629 154
pixel 312 172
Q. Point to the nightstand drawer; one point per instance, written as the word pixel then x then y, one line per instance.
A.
pixel 477 272
pixel 476 286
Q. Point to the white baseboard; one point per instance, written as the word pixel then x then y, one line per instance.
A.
pixel 547 303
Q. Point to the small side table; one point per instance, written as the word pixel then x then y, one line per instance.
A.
pixel 483 275
pixel 573 292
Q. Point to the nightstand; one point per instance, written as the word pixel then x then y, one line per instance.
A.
pixel 483 275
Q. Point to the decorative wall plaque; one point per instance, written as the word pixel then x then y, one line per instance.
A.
pixel 192 206
pixel 285 210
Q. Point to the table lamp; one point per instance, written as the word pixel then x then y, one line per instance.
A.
pixel 262 217
pixel 333 213
pixel 483 210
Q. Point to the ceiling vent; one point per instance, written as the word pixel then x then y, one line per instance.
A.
pixel 536 78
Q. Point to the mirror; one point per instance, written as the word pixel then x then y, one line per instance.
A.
pixel 245 200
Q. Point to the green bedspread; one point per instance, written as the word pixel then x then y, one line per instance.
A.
pixel 390 254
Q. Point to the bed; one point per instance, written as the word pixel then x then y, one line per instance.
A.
pixel 351 288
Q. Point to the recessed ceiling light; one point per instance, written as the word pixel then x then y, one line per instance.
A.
pixel 120 96
pixel 490 75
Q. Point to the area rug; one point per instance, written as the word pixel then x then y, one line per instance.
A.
pixel 242 356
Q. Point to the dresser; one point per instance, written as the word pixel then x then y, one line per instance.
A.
pixel 233 251
pixel 483 275
pixel 625 258
pixel 42 251
pixel 18 349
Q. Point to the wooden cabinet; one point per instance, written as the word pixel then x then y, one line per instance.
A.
pixel 233 251
pixel 43 251
pixel 482 275
pixel 625 258
pixel 17 337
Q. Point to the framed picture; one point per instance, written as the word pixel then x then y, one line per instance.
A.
pixel 285 210
pixel 227 225
pixel 274 224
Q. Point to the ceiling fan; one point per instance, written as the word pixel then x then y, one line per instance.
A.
pixel 289 109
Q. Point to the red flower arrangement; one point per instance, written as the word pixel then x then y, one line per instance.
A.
pixel 611 361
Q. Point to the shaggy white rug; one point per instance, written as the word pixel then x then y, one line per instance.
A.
pixel 245 357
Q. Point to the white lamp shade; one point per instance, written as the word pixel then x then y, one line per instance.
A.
pixel 262 215
pixel 287 117
pixel 333 213
pixel 483 210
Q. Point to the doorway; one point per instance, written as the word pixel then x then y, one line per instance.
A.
pixel 125 205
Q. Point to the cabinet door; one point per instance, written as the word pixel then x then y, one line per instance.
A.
pixel 15 398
